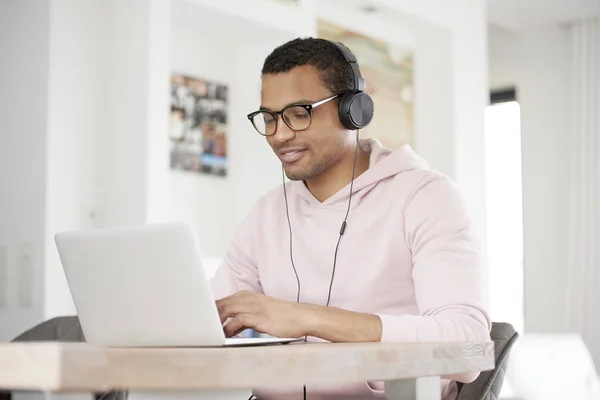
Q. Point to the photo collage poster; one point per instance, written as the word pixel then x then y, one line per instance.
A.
pixel 198 127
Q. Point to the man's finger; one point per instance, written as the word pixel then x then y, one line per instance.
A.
pixel 233 327
pixel 239 323
pixel 229 309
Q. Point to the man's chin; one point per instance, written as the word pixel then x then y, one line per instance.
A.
pixel 295 175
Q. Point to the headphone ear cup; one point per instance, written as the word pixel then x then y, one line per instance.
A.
pixel 356 110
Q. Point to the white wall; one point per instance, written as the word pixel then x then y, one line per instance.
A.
pixel 433 91
pixel 71 134
pixel 451 82
pixel 23 121
pixel 79 136
pixel 101 140
pixel 132 163
pixel 537 63
pixel 216 205
pixel 470 96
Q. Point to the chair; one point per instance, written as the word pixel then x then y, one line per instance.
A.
pixel 488 384
pixel 59 329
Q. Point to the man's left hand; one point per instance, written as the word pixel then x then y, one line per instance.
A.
pixel 264 314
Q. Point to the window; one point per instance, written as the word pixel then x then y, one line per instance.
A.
pixel 504 211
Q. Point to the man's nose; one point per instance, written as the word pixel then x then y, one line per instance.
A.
pixel 283 133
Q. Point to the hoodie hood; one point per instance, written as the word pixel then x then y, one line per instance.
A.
pixel 383 164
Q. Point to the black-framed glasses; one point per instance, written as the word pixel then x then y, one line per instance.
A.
pixel 297 117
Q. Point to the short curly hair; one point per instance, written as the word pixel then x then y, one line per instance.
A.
pixel 333 69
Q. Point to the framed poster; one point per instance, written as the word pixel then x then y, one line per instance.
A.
pixel 198 129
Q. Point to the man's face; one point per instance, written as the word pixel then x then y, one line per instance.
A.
pixel 308 153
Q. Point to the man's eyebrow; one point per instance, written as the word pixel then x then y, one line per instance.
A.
pixel 297 102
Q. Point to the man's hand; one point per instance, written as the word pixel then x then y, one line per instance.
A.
pixel 281 318
pixel 263 314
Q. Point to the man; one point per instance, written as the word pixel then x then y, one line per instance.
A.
pixel 407 264
pixel 362 244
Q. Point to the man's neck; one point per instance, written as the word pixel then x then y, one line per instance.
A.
pixel 338 176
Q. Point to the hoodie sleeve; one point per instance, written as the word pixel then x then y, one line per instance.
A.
pixel 449 271
pixel 238 270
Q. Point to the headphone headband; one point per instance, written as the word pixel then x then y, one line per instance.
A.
pixel 359 82
pixel 355 107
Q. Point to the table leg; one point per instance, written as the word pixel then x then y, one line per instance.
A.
pixel 426 388
pixel 203 395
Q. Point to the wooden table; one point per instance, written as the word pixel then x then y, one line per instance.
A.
pixel 411 371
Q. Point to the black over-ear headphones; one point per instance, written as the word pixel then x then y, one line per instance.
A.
pixel 355 107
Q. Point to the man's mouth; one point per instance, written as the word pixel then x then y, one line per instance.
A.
pixel 291 155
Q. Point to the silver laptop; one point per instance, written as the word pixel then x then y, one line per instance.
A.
pixel 144 286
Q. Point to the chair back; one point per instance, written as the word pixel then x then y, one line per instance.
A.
pixel 488 384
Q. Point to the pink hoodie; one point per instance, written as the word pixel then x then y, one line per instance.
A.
pixel 409 254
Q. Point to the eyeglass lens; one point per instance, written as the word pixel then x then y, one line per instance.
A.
pixel 296 118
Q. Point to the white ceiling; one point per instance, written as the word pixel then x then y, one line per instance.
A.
pixel 523 15
pixel 511 15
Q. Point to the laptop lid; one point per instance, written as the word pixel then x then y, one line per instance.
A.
pixel 140 286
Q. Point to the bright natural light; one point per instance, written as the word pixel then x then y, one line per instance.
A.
pixel 504 212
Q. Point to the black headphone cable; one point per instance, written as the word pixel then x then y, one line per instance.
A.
pixel 341 232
